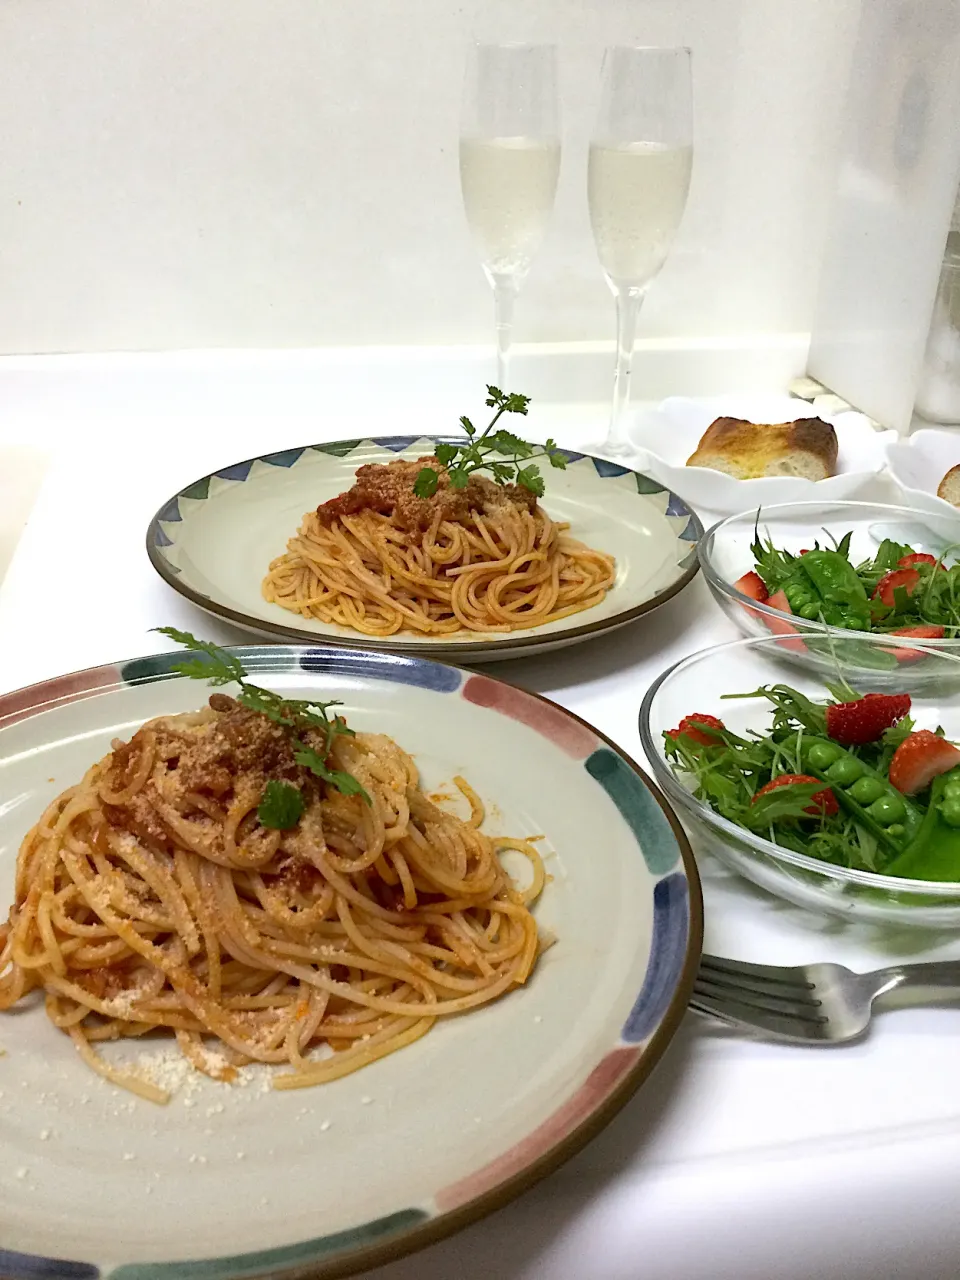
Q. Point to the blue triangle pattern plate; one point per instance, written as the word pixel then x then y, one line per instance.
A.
pixel 213 542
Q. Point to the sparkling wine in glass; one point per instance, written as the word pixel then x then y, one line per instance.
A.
pixel 509 164
pixel 638 176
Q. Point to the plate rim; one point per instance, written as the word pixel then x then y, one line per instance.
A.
pixel 442 647
pixel 441 1225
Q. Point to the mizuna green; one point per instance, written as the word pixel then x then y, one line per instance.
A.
pixel 876 826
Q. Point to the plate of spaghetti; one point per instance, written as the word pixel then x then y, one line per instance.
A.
pixel 333 541
pixel 313 956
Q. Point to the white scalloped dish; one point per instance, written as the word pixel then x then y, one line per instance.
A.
pixel 918 465
pixel 668 435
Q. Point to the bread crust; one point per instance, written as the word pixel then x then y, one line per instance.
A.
pixel 950 484
pixel 748 450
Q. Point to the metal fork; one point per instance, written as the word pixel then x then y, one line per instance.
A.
pixel 808 1003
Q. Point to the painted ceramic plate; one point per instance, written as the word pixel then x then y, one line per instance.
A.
pixel 214 541
pixel 227 1181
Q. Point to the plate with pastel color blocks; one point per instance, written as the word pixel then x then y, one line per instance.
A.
pixel 223 1172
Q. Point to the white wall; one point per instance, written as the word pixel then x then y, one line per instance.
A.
pixel 196 173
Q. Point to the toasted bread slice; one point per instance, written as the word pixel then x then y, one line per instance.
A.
pixel 745 450
pixel 949 488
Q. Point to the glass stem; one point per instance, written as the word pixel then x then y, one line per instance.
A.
pixel 504 296
pixel 628 308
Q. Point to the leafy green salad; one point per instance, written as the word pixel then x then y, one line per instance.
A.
pixel 898 591
pixel 850 781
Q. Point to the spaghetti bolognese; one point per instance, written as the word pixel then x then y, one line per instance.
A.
pixel 484 557
pixel 286 893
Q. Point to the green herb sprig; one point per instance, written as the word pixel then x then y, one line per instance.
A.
pixel 281 805
pixel 218 667
pixel 461 460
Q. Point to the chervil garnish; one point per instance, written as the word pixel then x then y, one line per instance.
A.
pixel 295 714
pixel 461 460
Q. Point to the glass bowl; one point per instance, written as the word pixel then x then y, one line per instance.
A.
pixel 697 684
pixel 725 556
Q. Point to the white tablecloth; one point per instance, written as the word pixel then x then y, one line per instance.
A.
pixel 739 1159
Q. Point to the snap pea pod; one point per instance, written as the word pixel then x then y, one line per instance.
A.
pixel 803 599
pixel 934 852
pixel 835 581
pixel 866 794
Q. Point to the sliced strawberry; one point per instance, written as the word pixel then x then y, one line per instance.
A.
pixel 824 801
pixel 926 631
pixel 688 728
pixel 888 584
pixel 919 759
pixel 780 627
pixel 752 585
pixel 854 723
pixel 918 557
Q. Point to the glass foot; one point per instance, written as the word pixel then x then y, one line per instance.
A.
pixel 619 450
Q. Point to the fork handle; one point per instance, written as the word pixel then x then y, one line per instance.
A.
pixel 944 974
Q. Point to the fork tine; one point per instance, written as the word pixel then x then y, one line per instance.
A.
pixel 791 976
pixel 712 1010
pixel 777 1003
pixel 775 1025
pixel 796 993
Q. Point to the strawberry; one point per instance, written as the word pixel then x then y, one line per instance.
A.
pixel 752 585
pixel 918 557
pixel 888 584
pixel 919 759
pixel 781 627
pixel 926 631
pixel 688 729
pixel 854 723
pixel 824 801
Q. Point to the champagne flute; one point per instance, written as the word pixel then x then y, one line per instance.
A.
pixel 509 164
pixel 638 176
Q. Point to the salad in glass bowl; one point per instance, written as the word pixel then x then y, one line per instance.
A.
pixel 827 575
pixel 836 797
